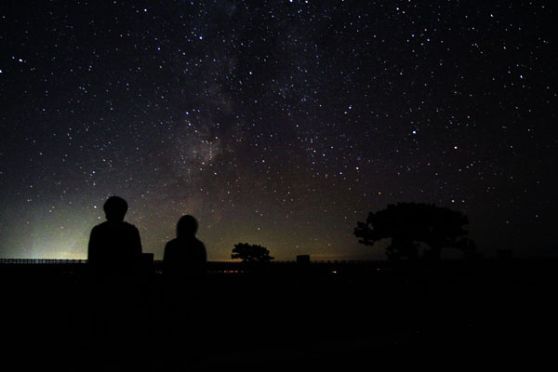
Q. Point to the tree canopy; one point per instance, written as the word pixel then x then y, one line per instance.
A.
pixel 409 224
pixel 251 253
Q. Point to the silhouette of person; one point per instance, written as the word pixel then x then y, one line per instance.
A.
pixel 185 257
pixel 115 245
pixel 114 255
pixel 184 268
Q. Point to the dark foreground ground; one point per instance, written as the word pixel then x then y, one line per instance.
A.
pixel 347 317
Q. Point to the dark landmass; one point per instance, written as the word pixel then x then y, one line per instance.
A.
pixel 287 315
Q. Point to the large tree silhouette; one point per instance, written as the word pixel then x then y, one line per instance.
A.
pixel 250 253
pixel 409 224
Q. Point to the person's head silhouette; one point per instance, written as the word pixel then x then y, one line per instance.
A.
pixel 115 209
pixel 186 227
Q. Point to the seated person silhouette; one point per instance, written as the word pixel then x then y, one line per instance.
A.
pixel 185 257
pixel 115 245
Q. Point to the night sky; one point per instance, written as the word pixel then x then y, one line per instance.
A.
pixel 280 123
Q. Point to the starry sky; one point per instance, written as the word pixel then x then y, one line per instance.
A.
pixel 280 123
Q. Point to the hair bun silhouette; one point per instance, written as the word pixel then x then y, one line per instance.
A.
pixel 115 208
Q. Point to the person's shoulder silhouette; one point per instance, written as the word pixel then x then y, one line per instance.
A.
pixel 114 245
pixel 185 256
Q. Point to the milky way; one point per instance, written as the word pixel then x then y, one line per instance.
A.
pixel 280 123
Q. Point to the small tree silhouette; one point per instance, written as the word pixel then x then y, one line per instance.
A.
pixel 249 253
pixel 408 224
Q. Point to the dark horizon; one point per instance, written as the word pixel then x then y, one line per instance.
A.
pixel 302 316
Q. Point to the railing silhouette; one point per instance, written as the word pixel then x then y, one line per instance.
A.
pixel 40 261
pixel 217 268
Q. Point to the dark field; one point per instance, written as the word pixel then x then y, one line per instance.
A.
pixel 346 316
